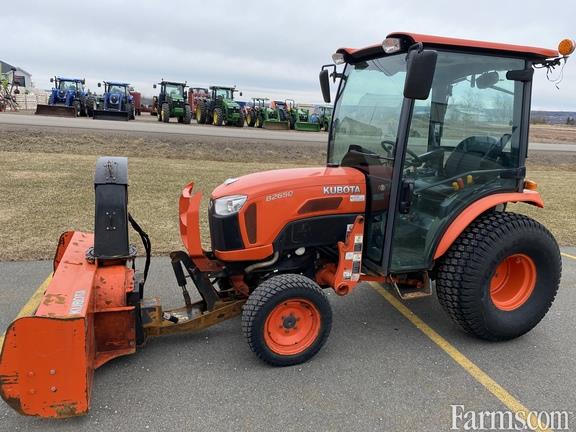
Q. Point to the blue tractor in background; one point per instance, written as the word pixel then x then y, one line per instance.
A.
pixel 116 103
pixel 68 98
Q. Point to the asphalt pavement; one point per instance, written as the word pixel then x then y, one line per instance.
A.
pixel 377 371
pixel 148 124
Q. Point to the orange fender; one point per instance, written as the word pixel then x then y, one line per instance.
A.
pixel 475 209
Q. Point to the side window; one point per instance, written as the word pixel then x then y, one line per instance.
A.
pixel 463 144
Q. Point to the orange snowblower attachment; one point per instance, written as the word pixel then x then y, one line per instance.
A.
pixel 92 310
pixel 79 323
pixel 80 318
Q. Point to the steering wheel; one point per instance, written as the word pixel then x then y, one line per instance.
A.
pixel 388 146
pixel 504 140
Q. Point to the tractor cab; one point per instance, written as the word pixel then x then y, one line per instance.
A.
pixel 67 98
pixel 173 101
pixel 435 125
pixel 259 102
pixel 66 84
pixel 226 93
pixel 117 102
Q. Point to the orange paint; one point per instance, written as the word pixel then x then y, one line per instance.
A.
pixel 513 282
pixel 439 41
pixel 279 197
pixel 292 327
pixel 82 321
pixel 476 209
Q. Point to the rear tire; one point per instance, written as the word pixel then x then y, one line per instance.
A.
pixel 500 277
pixel 77 108
pixel 200 113
pixel 165 112
pixel 187 114
pixel 241 120
pixel 131 111
pixel 250 119
pixel 90 105
pixel 286 320
pixel 217 119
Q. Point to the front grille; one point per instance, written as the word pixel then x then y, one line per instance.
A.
pixel 225 231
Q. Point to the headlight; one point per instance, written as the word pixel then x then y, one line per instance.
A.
pixel 229 205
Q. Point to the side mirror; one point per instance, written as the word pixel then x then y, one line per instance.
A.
pixel 240 93
pixel 99 84
pixel 325 84
pixel 83 81
pixel 51 80
pixel 130 89
pixel 487 80
pixel 154 86
pixel 420 69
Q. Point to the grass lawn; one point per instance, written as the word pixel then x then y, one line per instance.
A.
pixel 46 193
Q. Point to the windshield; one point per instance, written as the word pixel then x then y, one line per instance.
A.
pixel 67 85
pixel 116 89
pixel 175 91
pixel 224 93
pixel 367 111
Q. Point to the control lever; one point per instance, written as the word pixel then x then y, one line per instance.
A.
pixel 406 196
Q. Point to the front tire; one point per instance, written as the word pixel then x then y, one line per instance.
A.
pixel 287 319
pixel 500 277
pixel 165 113
pixel 217 118
pixel 187 114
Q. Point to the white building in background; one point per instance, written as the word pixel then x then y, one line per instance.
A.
pixel 20 76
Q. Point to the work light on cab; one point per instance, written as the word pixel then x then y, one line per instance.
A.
pixel 338 58
pixel 391 45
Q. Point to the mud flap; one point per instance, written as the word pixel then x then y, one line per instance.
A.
pixel 56 110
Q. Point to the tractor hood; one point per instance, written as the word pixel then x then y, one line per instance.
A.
pixel 323 181
pixel 231 104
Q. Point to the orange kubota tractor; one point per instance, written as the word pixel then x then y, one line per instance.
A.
pixel 427 147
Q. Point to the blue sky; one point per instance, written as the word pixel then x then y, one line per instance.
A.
pixel 272 49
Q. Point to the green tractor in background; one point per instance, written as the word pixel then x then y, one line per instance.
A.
pixel 173 102
pixel 220 108
pixel 323 116
pixel 268 117
pixel 299 118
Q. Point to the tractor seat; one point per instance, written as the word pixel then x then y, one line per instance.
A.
pixel 473 154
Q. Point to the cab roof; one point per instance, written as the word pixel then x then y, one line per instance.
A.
pixel 533 53
pixel 117 83
pixel 222 87
pixel 77 80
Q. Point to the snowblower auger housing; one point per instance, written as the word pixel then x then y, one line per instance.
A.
pixel 92 309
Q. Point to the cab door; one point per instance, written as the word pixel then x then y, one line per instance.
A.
pixel 464 142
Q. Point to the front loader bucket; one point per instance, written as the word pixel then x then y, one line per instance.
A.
pixel 75 322
pixel 307 127
pixel 276 125
pixel 111 115
pixel 56 110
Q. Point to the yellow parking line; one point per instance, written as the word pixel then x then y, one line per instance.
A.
pixel 31 305
pixel 568 255
pixel 478 374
